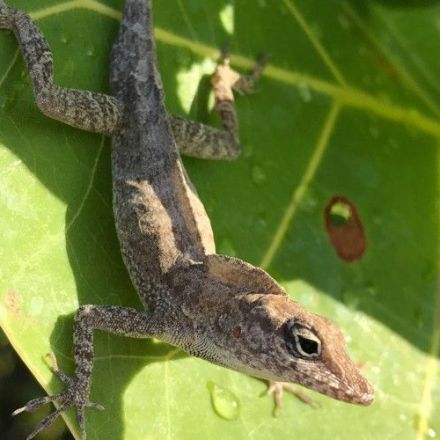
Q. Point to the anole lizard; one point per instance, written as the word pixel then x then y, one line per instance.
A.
pixel 216 307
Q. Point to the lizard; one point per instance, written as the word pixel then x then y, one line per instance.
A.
pixel 218 308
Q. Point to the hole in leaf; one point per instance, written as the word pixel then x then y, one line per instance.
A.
pixel 340 213
pixel 345 229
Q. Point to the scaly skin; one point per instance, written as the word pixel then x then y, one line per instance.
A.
pixel 212 306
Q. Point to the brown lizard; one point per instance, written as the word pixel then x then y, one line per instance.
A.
pixel 216 307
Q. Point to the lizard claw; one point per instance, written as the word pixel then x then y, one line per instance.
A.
pixel 75 395
pixel 225 52
pixel 46 422
pixel 246 83
pixel 278 388
pixel 34 404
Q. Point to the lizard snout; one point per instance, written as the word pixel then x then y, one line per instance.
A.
pixel 364 394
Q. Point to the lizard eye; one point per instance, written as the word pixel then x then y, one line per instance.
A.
pixel 302 341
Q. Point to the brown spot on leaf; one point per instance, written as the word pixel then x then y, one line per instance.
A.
pixel 13 302
pixel 345 228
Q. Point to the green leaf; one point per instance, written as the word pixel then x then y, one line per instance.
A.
pixel 349 106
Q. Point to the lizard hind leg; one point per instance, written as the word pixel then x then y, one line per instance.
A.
pixel 226 80
pixel 205 142
pixel 80 108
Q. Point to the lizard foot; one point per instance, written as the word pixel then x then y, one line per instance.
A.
pixel 278 388
pixel 246 83
pixel 73 395
pixel 226 80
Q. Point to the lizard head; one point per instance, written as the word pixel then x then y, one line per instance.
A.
pixel 266 334
pixel 285 342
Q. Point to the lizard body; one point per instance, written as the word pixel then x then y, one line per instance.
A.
pixel 215 307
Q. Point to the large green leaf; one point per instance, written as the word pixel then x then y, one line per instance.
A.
pixel 349 106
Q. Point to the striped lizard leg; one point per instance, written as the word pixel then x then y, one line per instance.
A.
pixel 82 109
pixel 205 142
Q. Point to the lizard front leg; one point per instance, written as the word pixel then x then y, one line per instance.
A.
pixel 80 108
pixel 114 319
pixel 278 388
pixel 205 142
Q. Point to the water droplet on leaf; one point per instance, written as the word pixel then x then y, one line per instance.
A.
pixel 316 29
pixel 351 299
pixel 394 144
pixel 431 433
pixel 370 290
pixel 304 92
pixel 421 425
pixel 374 131
pixel 310 201
pixel 261 223
pixel 3 102
pixel 258 175
pixel 344 22
pixel 225 403
pixel 227 248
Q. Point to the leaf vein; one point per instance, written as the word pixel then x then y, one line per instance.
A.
pixel 392 59
pixel 89 187
pixel 347 95
pixel 315 42
pixel 430 381
pixel 9 68
pixel 299 191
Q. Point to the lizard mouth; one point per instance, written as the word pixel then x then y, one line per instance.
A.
pixel 354 389
pixel 359 393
